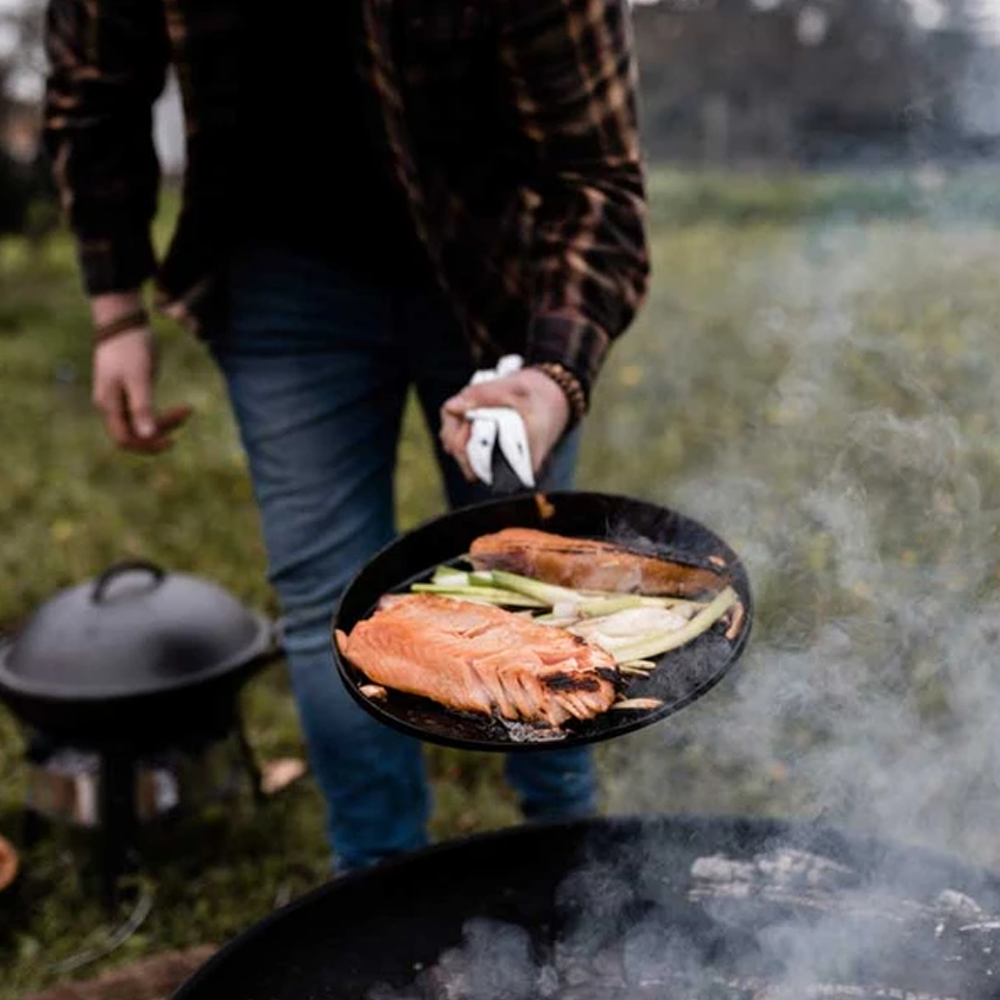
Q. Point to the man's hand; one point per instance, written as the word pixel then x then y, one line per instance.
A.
pixel 123 380
pixel 540 401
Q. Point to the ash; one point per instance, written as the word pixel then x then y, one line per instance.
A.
pixel 781 925
pixel 522 732
pixel 798 880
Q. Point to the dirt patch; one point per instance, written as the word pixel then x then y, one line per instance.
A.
pixel 149 979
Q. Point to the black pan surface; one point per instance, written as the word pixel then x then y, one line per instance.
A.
pixel 681 677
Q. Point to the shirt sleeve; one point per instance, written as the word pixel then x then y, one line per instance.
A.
pixel 569 66
pixel 107 66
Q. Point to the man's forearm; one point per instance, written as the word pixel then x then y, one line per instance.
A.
pixel 107 65
pixel 571 81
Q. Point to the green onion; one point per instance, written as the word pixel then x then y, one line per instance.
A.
pixel 657 644
pixel 637 704
pixel 644 665
pixel 616 601
pixel 448 577
pixel 486 595
pixel 679 604
pixel 626 668
pixel 601 606
pixel 547 593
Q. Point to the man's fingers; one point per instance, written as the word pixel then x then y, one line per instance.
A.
pixel 501 392
pixel 454 437
pixel 111 403
pixel 461 451
pixel 450 436
pixel 124 370
pixel 173 418
pixel 120 424
pixel 161 440
pixel 450 421
pixel 456 428
pixel 139 394
pixel 537 398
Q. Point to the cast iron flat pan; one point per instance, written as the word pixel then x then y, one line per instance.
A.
pixel 681 676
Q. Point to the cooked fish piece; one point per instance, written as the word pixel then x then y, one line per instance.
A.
pixel 583 564
pixel 482 659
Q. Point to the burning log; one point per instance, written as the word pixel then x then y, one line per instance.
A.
pixel 857 941
pixel 798 879
pixel 891 931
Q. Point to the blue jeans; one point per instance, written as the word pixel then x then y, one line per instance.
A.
pixel 318 364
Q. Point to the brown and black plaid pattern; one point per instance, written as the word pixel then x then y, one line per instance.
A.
pixel 510 124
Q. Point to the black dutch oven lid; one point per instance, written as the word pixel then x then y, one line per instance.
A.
pixel 133 630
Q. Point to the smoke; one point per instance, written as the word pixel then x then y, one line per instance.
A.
pixel 862 492
pixel 779 923
pixel 844 437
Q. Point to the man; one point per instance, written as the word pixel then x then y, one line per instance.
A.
pixel 378 195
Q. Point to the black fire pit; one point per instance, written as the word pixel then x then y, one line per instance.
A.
pixel 130 665
pixel 678 908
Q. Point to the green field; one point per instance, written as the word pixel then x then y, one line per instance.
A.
pixel 815 376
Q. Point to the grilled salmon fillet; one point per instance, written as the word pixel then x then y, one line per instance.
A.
pixel 478 658
pixel 588 565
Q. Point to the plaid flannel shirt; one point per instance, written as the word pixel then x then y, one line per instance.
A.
pixel 511 126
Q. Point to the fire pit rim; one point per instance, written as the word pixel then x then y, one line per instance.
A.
pixel 767 826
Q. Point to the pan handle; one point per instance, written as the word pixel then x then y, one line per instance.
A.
pixel 505 481
pixel 102 583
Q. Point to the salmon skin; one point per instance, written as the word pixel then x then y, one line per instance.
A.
pixel 583 564
pixel 481 659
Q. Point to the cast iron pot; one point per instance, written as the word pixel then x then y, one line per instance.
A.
pixel 135 657
pixel 591 882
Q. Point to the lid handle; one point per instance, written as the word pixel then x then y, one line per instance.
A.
pixel 118 569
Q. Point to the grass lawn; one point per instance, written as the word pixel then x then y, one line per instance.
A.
pixel 815 376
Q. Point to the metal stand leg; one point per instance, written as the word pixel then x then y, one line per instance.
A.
pixel 31 828
pixel 32 824
pixel 249 760
pixel 118 818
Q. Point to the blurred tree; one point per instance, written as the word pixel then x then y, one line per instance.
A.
pixel 26 192
pixel 803 79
